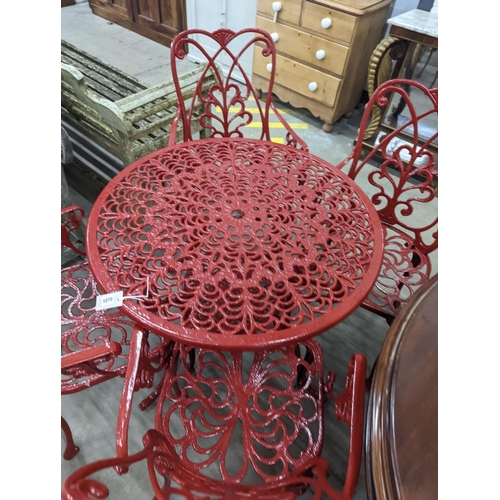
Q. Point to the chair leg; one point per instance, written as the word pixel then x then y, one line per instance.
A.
pixel 71 449
pixel 434 80
pixel 302 371
pixel 426 63
pixel 149 400
pixel 125 406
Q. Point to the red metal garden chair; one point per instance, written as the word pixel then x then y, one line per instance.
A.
pixel 271 419
pixel 95 344
pixel 229 106
pixel 99 353
pixel 403 188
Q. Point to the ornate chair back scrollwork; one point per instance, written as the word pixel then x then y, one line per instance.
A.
pixel 94 344
pixel 172 476
pixel 403 188
pixel 228 106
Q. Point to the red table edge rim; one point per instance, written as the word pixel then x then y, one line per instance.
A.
pixel 276 338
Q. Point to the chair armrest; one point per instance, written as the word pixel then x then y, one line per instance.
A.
pixel 292 139
pixel 72 227
pixel 350 408
pixel 90 354
pixel 73 208
pixel 78 486
pixel 172 139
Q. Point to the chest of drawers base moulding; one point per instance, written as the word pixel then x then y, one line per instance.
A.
pixel 321 69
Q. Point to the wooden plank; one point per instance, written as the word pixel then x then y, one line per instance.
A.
pixel 400 32
pixel 163 89
pixel 92 80
pixel 102 68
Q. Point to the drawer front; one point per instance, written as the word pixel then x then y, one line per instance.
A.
pixel 342 27
pixel 305 47
pixel 297 77
pixel 290 10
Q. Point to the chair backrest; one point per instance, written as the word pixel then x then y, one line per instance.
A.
pixel 225 105
pixel 406 149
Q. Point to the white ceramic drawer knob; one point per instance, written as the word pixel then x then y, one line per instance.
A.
pixel 276 8
pixel 320 54
pixel 326 22
pixel 313 86
pixel 275 37
pixel 269 67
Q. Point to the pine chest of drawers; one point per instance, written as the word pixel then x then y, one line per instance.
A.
pixel 323 50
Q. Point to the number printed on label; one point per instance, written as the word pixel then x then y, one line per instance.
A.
pixel 109 300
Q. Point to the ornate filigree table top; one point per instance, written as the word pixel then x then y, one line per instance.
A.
pixel 238 243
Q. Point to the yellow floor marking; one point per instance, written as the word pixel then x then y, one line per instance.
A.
pixel 235 110
pixel 302 126
pixel 279 140
pixel 256 110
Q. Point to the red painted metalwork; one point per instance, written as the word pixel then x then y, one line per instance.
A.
pixel 94 344
pixel 182 478
pixel 77 360
pixel 403 183
pixel 281 421
pixel 71 449
pixel 228 97
pixel 71 219
pixel 239 243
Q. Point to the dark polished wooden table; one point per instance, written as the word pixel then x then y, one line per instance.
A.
pixel 402 422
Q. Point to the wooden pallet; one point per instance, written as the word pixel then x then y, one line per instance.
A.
pixel 112 118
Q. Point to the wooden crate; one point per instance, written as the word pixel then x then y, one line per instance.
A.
pixel 114 118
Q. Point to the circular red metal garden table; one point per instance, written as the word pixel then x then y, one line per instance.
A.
pixel 241 244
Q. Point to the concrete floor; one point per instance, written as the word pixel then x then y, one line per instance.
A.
pixel 92 413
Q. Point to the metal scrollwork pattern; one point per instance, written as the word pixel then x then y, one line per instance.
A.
pixel 275 422
pixel 170 480
pixel 238 239
pixel 404 270
pixel 402 182
pixel 228 107
pixel 82 326
pixel 71 228
pixel 230 98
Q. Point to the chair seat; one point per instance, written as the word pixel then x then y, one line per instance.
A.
pixel 241 420
pixel 404 269
pixel 82 326
pixel 275 398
